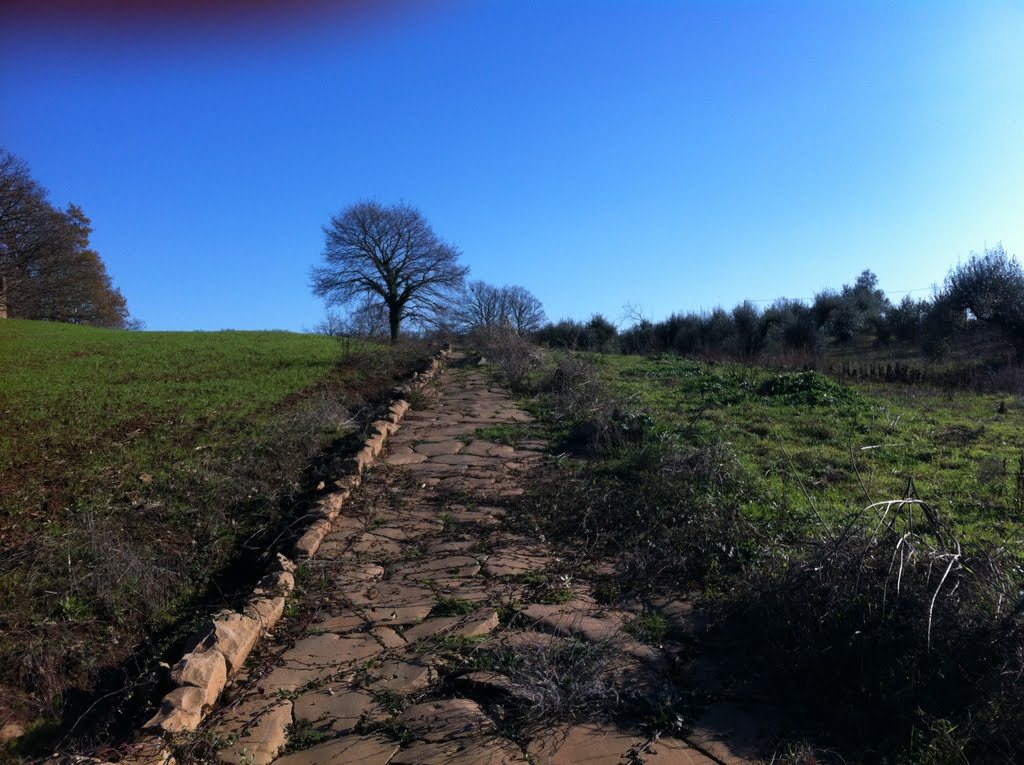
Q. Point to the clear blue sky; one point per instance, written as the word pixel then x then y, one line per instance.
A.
pixel 672 155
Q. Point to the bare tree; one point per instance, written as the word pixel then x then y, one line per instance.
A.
pixel 484 306
pixel 481 307
pixel 392 256
pixel 523 311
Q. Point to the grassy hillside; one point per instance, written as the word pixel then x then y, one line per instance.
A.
pixel 882 630
pixel 818 448
pixel 87 411
pixel 136 467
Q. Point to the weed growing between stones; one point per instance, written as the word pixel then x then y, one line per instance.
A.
pixel 453 607
pixel 556 679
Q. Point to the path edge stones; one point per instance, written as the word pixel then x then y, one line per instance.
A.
pixel 220 648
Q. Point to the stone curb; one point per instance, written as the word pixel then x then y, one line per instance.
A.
pixel 221 646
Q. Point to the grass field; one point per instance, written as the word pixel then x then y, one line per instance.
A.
pixel 135 469
pixel 820 449
pixel 87 411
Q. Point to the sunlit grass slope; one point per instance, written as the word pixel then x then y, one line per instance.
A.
pixel 88 410
pixel 822 450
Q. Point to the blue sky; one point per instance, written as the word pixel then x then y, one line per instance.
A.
pixel 666 154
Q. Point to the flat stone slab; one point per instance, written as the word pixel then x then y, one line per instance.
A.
pixel 431 568
pixel 446 719
pixel 531 641
pixel 350 750
pixel 589 744
pixel 257 729
pixel 401 676
pixel 318 657
pixel 733 734
pixel 672 751
pixel 488 449
pixel 395 594
pixel 572 619
pixel 435 548
pixel 514 562
pixel 405 456
pixel 480 750
pixel 357 572
pixel 477 624
pixel 343 710
pixel 438 448
pixel 377 545
pixel 465 460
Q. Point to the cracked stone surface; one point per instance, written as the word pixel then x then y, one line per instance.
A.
pixel 419 559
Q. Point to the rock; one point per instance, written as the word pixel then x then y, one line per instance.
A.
pixel 375 443
pixel 489 750
pixel 406 457
pixel 257 729
pixel 318 657
pixel 350 750
pixel 206 670
pixel 438 449
pixel 180 710
pixel 275 583
pixel 10 731
pixel 473 625
pixel 267 611
pixel 401 676
pixel 364 459
pixel 431 568
pixel 588 744
pixel 309 542
pixel 446 719
pixel 572 619
pixel 514 562
pixel 234 635
pixel 341 709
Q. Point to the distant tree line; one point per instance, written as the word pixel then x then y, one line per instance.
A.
pixel 48 270
pixel 986 292
pixel 385 266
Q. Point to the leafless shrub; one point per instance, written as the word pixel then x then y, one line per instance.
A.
pixel 560 679
pixel 515 357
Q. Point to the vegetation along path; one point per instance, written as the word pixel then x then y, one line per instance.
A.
pixel 421 634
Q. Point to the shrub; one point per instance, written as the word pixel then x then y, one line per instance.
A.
pixel 891 638
pixel 991 287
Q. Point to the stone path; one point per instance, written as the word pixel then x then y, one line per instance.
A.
pixel 429 634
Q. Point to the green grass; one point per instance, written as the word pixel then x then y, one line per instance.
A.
pixel 135 467
pixel 510 434
pixel 89 410
pixel 818 448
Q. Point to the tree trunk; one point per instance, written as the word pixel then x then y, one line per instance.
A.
pixel 395 320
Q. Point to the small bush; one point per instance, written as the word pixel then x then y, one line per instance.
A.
pixel 561 679
pixel 806 388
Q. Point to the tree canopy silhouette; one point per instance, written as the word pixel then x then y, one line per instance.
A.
pixel 47 268
pixel 391 255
